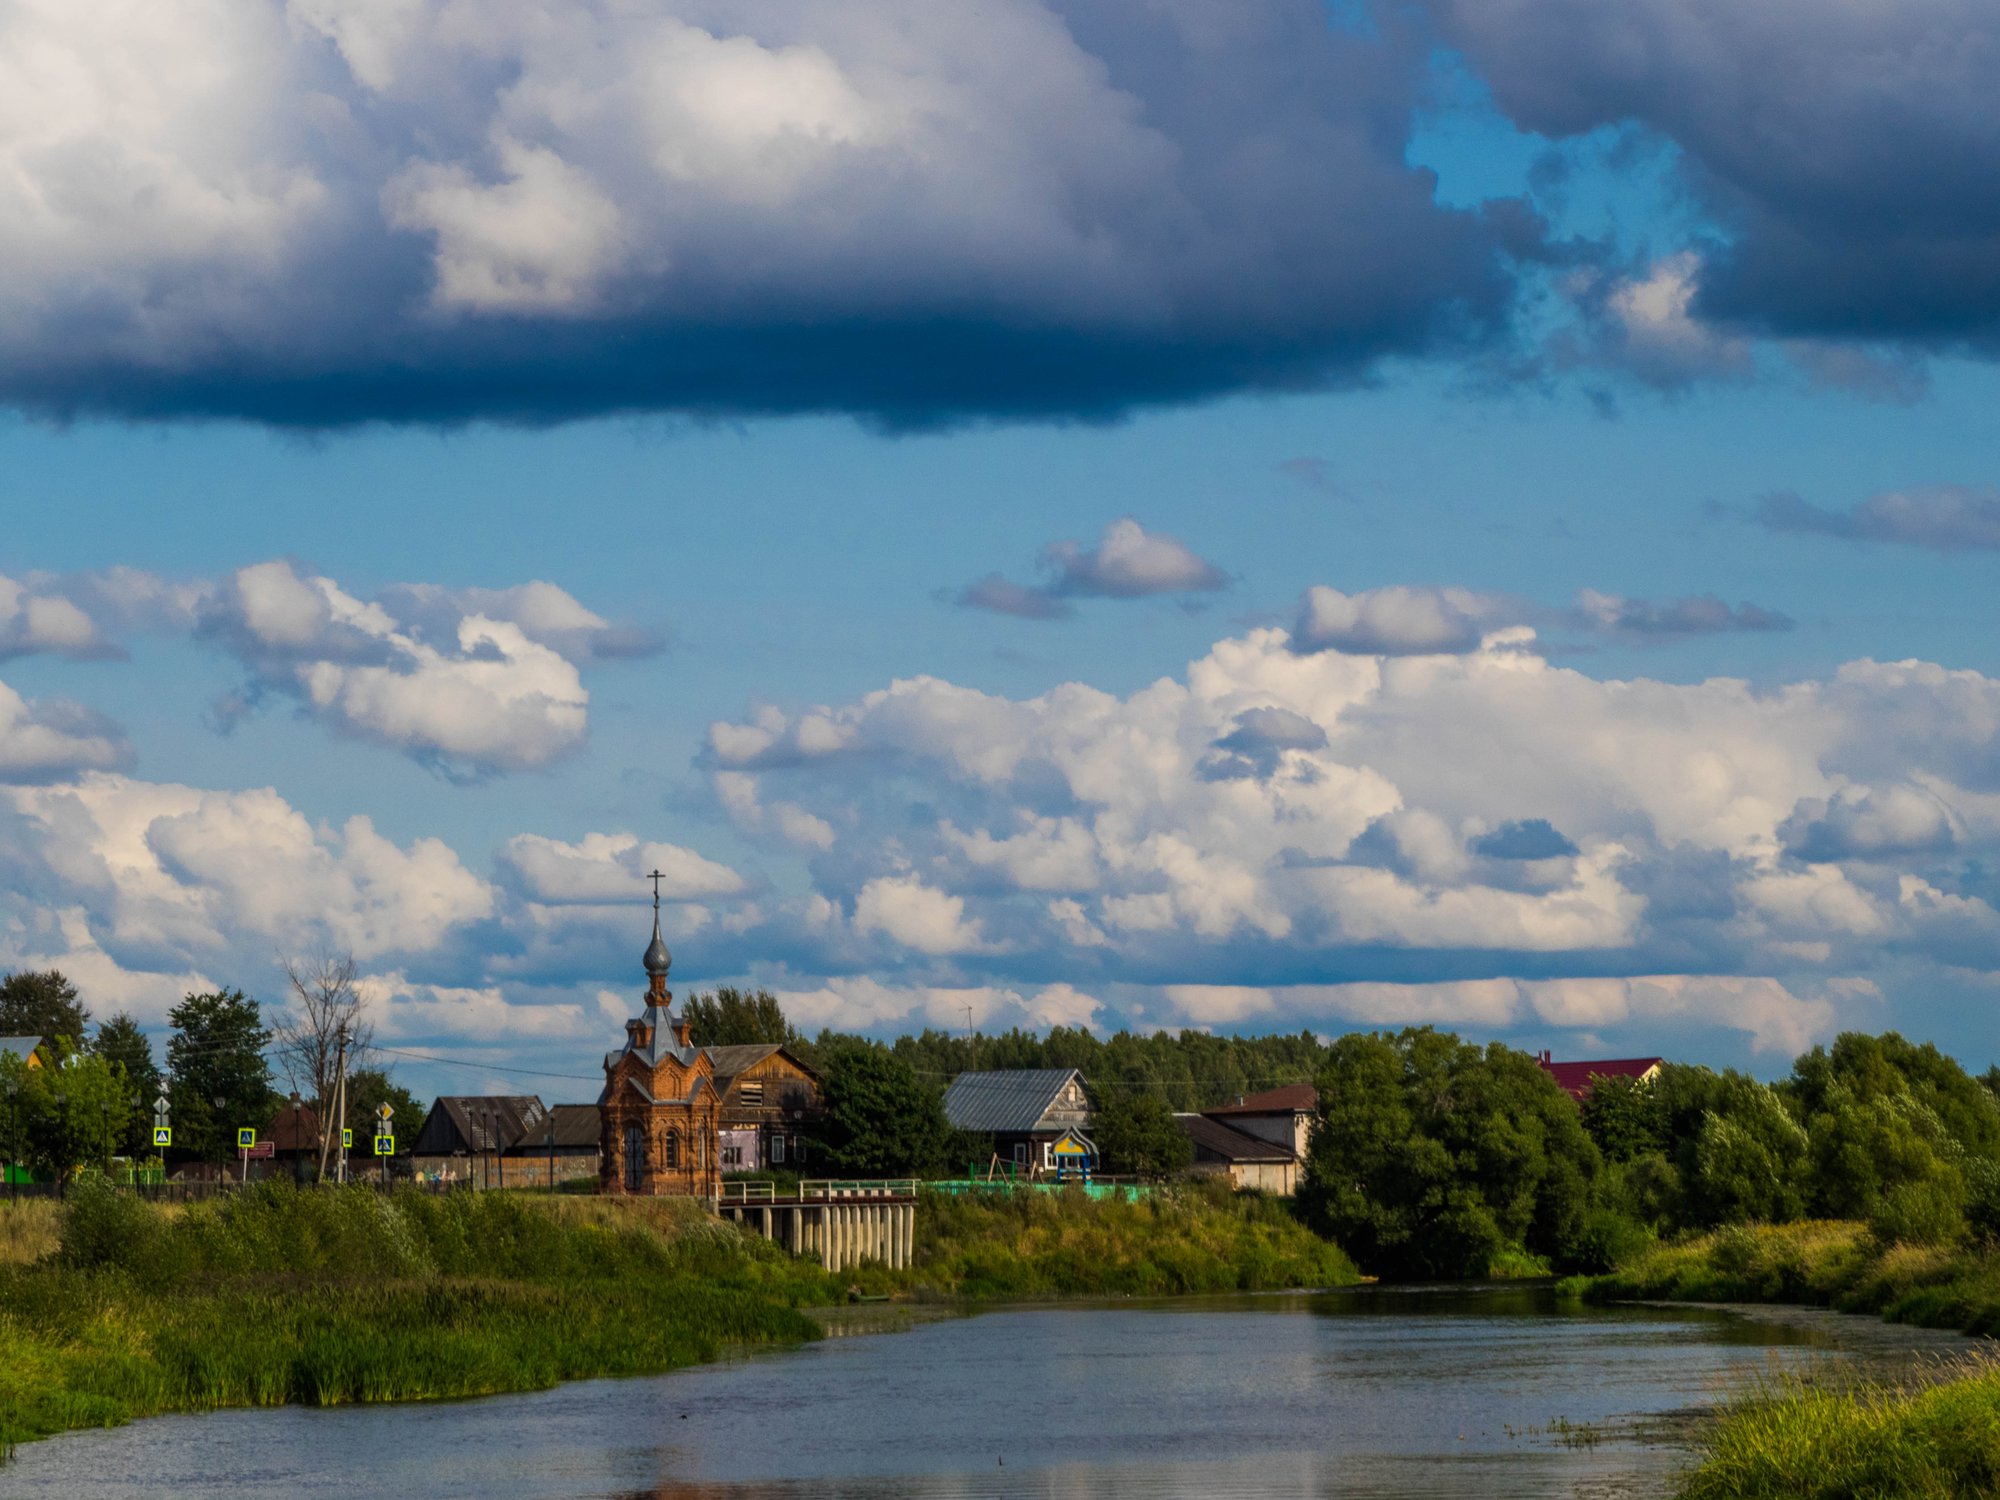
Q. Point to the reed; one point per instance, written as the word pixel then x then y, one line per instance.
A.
pixel 1825 1263
pixel 27 1229
pixel 1195 1238
pixel 1803 1440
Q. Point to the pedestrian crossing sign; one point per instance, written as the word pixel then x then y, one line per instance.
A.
pixel 346 1138
pixel 246 1137
pixel 385 1145
pixel 163 1135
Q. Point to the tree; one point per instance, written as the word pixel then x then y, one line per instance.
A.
pixel 1432 1157
pixel 323 1024
pixel 730 1017
pixel 881 1119
pixel 1624 1117
pixel 121 1043
pixel 42 1003
pixel 1135 1133
pixel 367 1090
pixel 65 1117
pixel 217 1054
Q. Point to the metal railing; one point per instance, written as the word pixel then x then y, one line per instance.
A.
pixel 885 1187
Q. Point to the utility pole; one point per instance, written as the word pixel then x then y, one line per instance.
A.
pixel 340 1103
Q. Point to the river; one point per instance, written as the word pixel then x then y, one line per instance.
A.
pixel 1371 1393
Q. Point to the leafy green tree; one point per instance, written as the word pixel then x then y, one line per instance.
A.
pixel 42 1003
pixel 1888 1160
pixel 1624 1118
pixel 1860 1068
pixel 1431 1156
pixel 729 1017
pixel 67 1116
pixel 881 1119
pixel 121 1043
pixel 1135 1133
pixel 217 1053
pixel 368 1088
pixel 1738 1152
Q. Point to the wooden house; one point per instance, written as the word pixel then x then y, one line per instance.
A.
pixel 660 1109
pixel 465 1137
pixel 1025 1110
pixel 1283 1116
pixel 565 1146
pixel 770 1104
pixel 1248 1161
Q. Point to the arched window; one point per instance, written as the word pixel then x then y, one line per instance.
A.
pixel 635 1157
pixel 670 1151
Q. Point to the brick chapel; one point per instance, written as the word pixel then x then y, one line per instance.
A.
pixel 660 1102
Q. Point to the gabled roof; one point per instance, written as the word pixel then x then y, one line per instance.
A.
pixel 1227 1143
pixel 1576 1076
pixel 575 1125
pixel 19 1046
pixel 298 1129
pixel 477 1122
pixel 1008 1099
pixel 729 1061
pixel 1292 1098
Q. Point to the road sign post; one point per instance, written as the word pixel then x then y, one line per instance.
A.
pixel 246 1137
pixel 163 1128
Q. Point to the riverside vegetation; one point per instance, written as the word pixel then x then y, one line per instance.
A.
pixel 119 1309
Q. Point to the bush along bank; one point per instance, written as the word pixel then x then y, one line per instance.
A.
pixel 1196 1237
pixel 1821 1263
pixel 331 1296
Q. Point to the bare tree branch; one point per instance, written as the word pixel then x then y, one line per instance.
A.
pixel 306 1038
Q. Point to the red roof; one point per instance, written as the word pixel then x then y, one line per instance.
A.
pixel 1292 1097
pixel 1575 1076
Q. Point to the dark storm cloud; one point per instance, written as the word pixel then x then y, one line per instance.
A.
pixel 1529 839
pixel 916 214
pixel 1849 154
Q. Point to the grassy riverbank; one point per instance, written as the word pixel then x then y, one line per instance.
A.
pixel 1195 1238
pixel 112 1309
pixel 1824 1263
pixel 1804 1438
pixel 1798 1440
pixel 274 1296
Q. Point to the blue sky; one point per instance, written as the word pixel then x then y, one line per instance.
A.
pixel 1104 517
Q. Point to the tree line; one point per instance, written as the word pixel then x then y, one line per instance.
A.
pixel 92 1098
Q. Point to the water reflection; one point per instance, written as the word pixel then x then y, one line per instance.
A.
pixel 1376 1393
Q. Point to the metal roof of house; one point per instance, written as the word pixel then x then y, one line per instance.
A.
pixel 1290 1099
pixel 460 1122
pixel 1228 1143
pixel 1008 1099
pixel 577 1127
pixel 1576 1077
pixel 19 1046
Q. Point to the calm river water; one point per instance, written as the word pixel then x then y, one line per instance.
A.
pixel 1369 1393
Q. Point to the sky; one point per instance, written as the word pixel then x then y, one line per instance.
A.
pixel 1261 517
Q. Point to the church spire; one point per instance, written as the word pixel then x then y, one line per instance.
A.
pixel 658 960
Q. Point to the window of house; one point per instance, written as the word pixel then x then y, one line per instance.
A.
pixel 670 1151
pixel 1021 1154
pixel 777 1150
pixel 751 1093
pixel 732 1156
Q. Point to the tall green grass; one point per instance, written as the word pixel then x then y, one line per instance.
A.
pixel 1827 1263
pixel 1196 1238
pixel 332 1296
pixel 1798 1440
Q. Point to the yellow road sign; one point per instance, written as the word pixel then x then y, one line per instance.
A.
pixel 385 1145
pixel 346 1139
pixel 246 1137
pixel 163 1135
